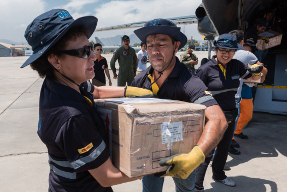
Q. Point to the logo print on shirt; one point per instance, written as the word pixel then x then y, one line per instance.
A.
pixel 86 149
pixel 144 60
pixel 236 76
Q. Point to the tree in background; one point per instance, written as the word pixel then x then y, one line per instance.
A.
pixel 205 44
pixel 195 42
pixel 137 45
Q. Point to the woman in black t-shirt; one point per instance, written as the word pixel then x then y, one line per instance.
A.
pixel 221 75
pixel 68 123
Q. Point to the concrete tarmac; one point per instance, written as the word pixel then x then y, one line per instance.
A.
pixel 262 165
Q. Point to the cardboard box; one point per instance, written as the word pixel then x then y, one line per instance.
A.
pixel 142 131
pixel 274 40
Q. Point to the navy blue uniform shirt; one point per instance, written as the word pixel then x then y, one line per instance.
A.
pixel 179 85
pixel 74 135
pixel 213 77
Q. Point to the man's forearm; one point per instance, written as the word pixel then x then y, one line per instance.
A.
pixel 264 72
pixel 112 64
pixel 213 130
pixel 108 74
pixel 108 92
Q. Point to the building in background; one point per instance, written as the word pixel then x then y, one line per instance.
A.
pixel 8 50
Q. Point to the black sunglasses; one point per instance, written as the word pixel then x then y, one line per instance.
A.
pixel 82 52
pixel 99 50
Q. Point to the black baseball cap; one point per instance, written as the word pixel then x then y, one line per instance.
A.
pixel 161 26
pixel 227 41
pixel 191 46
pixel 125 37
pixel 48 28
pixel 261 23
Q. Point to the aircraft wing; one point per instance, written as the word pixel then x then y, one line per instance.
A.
pixel 184 20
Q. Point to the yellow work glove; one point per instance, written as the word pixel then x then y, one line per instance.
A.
pixel 255 69
pixel 266 39
pixel 182 165
pixel 138 92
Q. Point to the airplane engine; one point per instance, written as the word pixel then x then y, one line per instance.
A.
pixel 205 27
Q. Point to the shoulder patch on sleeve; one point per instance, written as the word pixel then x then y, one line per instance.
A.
pixel 86 149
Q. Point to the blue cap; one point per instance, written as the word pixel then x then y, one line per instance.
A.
pixel 227 41
pixel 48 28
pixel 161 26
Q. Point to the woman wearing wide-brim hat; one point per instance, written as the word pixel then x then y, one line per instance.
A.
pixel 221 75
pixel 68 122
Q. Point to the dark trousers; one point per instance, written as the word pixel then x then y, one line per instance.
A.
pixel 219 159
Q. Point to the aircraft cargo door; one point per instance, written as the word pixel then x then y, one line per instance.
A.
pixel 223 14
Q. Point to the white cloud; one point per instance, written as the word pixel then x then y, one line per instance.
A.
pixel 77 5
pixel 122 12
pixel 16 15
pixel 76 15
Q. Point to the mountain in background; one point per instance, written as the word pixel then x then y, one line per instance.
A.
pixel 12 42
pixel 117 40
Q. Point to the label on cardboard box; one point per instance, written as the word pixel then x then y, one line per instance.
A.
pixel 171 132
pixel 272 42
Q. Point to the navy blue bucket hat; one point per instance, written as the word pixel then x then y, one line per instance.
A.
pixel 227 41
pixel 161 26
pixel 48 28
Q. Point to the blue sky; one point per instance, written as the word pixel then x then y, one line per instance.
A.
pixel 17 14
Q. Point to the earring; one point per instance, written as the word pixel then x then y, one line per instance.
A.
pixel 59 67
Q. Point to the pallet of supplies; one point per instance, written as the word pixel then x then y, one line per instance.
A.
pixel 142 131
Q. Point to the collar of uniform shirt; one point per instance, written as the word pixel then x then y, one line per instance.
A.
pixel 64 91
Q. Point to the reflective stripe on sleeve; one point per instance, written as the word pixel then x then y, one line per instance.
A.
pixel 203 99
pixel 222 91
pixel 84 160
pixel 61 163
pixel 89 88
pixel 61 173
